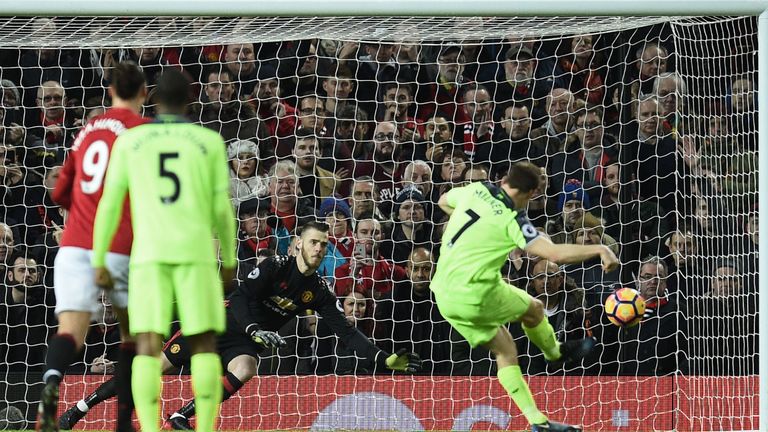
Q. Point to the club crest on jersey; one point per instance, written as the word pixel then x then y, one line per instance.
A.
pixel 307 296
pixel 175 348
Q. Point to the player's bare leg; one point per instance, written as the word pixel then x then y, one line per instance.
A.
pixel 105 391
pixel 123 373
pixel 146 380
pixel 62 350
pixel 206 373
pixel 240 370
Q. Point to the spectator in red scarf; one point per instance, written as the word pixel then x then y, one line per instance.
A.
pixel 584 73
pixel 255 234
pixel 50 124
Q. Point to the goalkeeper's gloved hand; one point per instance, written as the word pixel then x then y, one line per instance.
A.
pixel 267 339
pixel 403 361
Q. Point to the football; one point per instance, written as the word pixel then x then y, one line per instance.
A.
pixel 625 307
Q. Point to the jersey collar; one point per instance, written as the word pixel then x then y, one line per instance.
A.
pixel 170 118
pixel 500 195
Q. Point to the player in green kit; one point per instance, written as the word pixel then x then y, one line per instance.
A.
pixel 177 178
pixel 486 223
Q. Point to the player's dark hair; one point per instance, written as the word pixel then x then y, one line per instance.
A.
pixel 173 90
pixel 523 176
pixel 320 226
pixel 127 80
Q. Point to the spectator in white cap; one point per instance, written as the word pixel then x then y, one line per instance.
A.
pixel 245 181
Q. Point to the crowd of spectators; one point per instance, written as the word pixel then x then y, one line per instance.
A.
pixel 367 136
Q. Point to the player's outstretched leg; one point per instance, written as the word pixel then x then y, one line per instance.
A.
pixel 239 371
pixel 105 391
pixel 536 326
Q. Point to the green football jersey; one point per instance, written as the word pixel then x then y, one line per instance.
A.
pixel 176 175
pixel 481 232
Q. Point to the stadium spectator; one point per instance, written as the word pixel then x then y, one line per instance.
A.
pixel 383 166
pixel 333 357
pixel 409 318
pixel 584 71
pixel 12 188
pixel 685 263
pixel 586 157
pixel 438 133
pixel 564 306
pixel 7 244
pixel 540 209
pixel 30 313
pixel 519 84
pixel 373 63
pixel 439 92
pixel 655 163
pixel 651 62
pixel 277 116
pixel 411 227
pixel 363 200
pixel 515 141
pixel 476 132
pixel 50 122
pixel 221 111
pixel 728 314
pixel 559 106
pixel 315 183
pixel 475 173
pixel 254 235
pixel 312 115
pixel 671 91
pixel 151 60
pixel 338 90
pixel 452 166
pixel 240 60
pixel 589 275
pixel 367 271
pixel 245 182
pixel 572 204
pixel 397 101
pixel 338 216
pixel 291 211
pixel 38 66
pixel 418 175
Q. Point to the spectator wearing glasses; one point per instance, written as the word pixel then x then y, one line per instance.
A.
pixel 382 168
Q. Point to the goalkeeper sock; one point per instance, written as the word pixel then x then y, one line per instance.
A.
pixel 230 386
pixel 61 352
pixel 147 383
pixel 512 380
pixel 206 373
pixel 123 377
pixel 104 392
pixel 543 336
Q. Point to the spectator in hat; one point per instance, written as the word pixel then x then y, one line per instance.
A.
pixel 411 227
pixel 440 91
pixel 337 214
pixel 572 204
pixel 245 182
pixel 254 234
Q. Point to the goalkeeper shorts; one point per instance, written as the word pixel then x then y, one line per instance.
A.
pixel 479 321
pixel 194 289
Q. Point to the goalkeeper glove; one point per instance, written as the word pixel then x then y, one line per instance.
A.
pixel 267 339
pixel 403 361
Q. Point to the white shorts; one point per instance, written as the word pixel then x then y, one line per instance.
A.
pixel 74 285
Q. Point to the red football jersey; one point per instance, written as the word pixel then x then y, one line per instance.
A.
pixel 81 181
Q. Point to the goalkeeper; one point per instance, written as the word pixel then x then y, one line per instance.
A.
pixel 486 223
pixel 280 288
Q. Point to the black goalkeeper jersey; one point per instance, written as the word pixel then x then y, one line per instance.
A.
pixel 276 291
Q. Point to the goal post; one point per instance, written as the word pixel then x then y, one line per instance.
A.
pixel 432 22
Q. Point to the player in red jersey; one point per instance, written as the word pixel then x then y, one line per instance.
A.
pixel 79 190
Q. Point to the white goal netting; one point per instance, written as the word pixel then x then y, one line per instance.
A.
pixel 645 130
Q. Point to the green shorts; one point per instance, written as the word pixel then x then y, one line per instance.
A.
pixel 194 289
pixel 479 321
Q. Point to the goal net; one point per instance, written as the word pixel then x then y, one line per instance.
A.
pixel 645 132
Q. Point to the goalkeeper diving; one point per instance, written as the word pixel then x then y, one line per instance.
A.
pixel 486 223
pixel 278 289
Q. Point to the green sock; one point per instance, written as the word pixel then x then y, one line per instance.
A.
pixel 206 385
pixel 146 381
pixel 512 380
pixel 543 336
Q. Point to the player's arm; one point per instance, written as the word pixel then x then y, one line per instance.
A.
pixel 570 253
pixel 330 310
pixel 110 206
pixel 254 287
pixel 223 215
pixel 62 192
pixel 449 200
